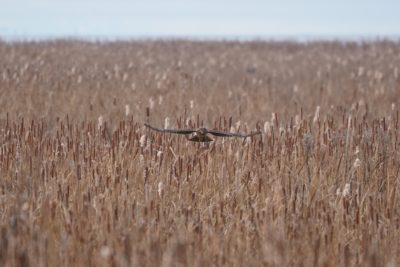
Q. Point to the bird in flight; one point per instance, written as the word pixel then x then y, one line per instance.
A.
pixel 201 134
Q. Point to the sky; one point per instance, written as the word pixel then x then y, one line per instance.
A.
pixel 126 19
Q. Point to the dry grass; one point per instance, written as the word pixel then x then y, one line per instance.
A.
pixel 83 183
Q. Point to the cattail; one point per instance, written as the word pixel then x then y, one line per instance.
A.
pixel 273 118
pixel 127 110
pixel 191 104
pixel 267 127
pixel 316 115
pixel 105 252
pixel 151 103
pixel 295 89
pixel 360 71
pixel 160 189
pixel 230 151
pixel 349 120
pixel 166 123
pixel 378 75
pixel 237 125
pixel 159 154
pixel 393 106
pixel 248 141
pixel 100 122
pixel 319 73
pixel 346 190
pixel 357 163
pixel 338 192
pixel 142 141
pixel 297 120
pixel 238 156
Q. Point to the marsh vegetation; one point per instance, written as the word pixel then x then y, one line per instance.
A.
pixel 84 183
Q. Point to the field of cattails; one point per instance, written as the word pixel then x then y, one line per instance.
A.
pixel 84 183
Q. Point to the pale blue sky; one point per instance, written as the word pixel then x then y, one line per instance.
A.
pixel 200 19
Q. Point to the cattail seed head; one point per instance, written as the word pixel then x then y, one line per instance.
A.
pixel 151 103
pixel 357 150
pixel 338 192
pixel 357 163
pixel 160 189
pixel 273 118
pixel 105 252
pixel 100 122
pixel 166 123
pixel 297 120
pixel 346 190
pixel 267 127
pixel 237 125
pixel 127 110
pixel 316 115
pixel 142 140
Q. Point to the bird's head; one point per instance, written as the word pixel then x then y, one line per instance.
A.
pixel 202 131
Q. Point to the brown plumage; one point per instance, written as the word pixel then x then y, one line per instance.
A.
pixel 201 134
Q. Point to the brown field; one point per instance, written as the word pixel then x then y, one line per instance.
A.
pixel 84 183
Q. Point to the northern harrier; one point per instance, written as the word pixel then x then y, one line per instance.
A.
pixel 200 134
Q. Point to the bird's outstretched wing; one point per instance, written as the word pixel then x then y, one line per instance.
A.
pixel 176 131
pixel 226 134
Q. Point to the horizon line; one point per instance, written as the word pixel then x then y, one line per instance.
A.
pixel 211 37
